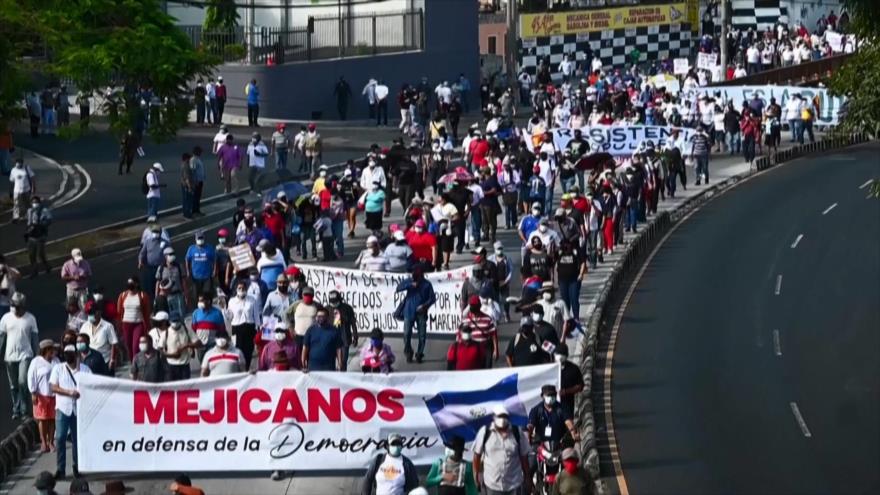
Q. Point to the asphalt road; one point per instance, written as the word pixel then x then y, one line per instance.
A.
pixel 702 388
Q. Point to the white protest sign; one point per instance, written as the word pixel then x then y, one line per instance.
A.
pixel 291 420
pixel 624 140
pixel 707 61
pixel 680 66
pixel 374 298
pixel 242 257
pixel 835 40
pixel 829 105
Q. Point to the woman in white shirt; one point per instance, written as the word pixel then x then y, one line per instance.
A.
pixel 42 397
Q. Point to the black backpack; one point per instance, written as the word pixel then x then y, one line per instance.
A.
pixel 145 188
pixel 513 429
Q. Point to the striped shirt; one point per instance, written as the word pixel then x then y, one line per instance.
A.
pixel 482 326
pixel 223 361
pixel 206 322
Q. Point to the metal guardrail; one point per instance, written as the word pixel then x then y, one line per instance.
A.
pixel 323 37
pixel 792 75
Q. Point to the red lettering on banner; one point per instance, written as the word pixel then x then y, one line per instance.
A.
pixel 187 407
pixel 232 406
pixel 348 405
pixel 289 407
pixel 219 412
pixel 249 414
pixel 319 405
pixel 145 411
pixel 389 400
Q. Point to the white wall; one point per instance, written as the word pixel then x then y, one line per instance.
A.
pixel 302 9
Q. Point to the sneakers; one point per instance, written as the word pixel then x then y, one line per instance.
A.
pixel 420 358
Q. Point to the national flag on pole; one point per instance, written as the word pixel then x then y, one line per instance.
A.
pixel 464 413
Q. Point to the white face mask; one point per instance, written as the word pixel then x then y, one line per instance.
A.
pixel 171 258
pixel 201 305
pixel 221 342
pixel 536 212
pixel 200 242
pixel 221 240
pixel 559 358
pixel 465 337
pixel 547 296
pixel 394 450
pixel 419 230
pixel 549 400
pixel 542 228
pixel 143 346
pixel 240 293
pixel 449 452
pixel 499 252
pixel 254 278
pixel 175 325
pixel 98 297
pixel 501 422
pixel 537 317
pixel 154 235
pixel 323 173
pixel 279 336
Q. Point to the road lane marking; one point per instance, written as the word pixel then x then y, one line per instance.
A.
pixel 866 184
pixel 796 241
pixel 829 209
pixel 777 346
pixel 84 189
pixel 800 420
pixel 778 289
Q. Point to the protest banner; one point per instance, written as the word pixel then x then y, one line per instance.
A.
pixel 291 420
pixel 373 295
pixel 680 66
pixel 586 21
pixel 242 257
pixel 828 105
pixel 835 40
pixel 707 61
pixel 623 140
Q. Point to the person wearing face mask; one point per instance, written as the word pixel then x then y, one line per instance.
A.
pixel 257 151
pixel 483 328
pixel 501 456
pixel 372 259
pixel 464 354
pixel 174 284
pixel 207 320
pixel 134 306
pixel 322 345
pixel 343 317
pixel 224 358
pixel 423 245
pixel 151 256
pixel 64 383
pixel 275 311
pixel 537 262
pixel 390 473
pixel 555 310
pixel 20 336
pixel 9 275
pixel 504 272
pixel 451 474
pixel 549 422
pixel 399 253
pixel 488 304
pixel 23 185
pixel 529 224
pixel 320 183
pixel 243 313
pixel 222 261
pixel 377 356
pixel 101 334
pixel 76 273
pixel 524 349
pixel 39 217
pixel 570 480
pixel 301 315
pixel 285 345
pixel 147 365
pixel 373 201
pixel 200 259
pixel 571 379
pixel 548 335
pixel 413 310
pixel 90 357
pixel 550 238
pixel 371 174
pixel 42 398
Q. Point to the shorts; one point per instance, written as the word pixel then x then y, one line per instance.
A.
pixel 447 243
pixel 45 407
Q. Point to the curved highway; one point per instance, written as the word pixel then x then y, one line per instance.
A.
pixel 747 359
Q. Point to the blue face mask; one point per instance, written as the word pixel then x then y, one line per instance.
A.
pixel 376 343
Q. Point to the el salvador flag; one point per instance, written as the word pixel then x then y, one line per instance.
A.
pixel 464 413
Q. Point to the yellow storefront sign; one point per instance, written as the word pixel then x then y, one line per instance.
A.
pixel 585 21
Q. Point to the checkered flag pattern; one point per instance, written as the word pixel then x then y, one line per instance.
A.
pixel 613 46
pixel 755 14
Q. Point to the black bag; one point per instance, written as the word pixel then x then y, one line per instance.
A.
pixel 145 187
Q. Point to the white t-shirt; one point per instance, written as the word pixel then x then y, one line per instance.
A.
pixel 381 92
pixel 255 160
pixel 21 179
pixel 219 140
pixel 20 333
pixel 66 378
pixel 390 479
pixel 153 180
pixel 101 337
pixel 752 55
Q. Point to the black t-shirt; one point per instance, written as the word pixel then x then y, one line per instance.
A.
pixel 461 197
pixel 546 332
pixel 347 190
pixel 571 376
pixel 525 351
pixel 406 173
pixel 568 265
pixel 539 264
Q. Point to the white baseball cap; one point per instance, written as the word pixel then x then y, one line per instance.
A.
pixel 160 316
pixel 372 240
pixel 500 410
pixel 158 166
pixel 398 235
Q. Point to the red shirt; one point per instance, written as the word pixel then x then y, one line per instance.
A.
pixel 275 224
pixel 421 244
pixel 581 204
pixel 471 356
pixel 479 148
pixel 325 197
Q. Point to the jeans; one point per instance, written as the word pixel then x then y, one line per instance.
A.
pixel 632 215
pixel 580 179
pixel 187 201
pixel 748 148
pixel 382 112
pixel 253 110
pixel 592 247
pixel 567 184
pixel 476 225
pixel 702 166
pixel 255 174
pixel 281 158
pixel 420 321
pixel 176 306
pixel 793 126
pixel 200 112
pixel 152 207
pixel 510 216
pixel 337 227
pixel 569 292
pixel 548 200
pixel 806 126
pixel 489 219
pixel 16 371
pixel 734 142
pixel 670 185
pixel 64 425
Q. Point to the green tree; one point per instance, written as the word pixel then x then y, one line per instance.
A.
pixel 859 78
pixel 19 42
pixel 221 14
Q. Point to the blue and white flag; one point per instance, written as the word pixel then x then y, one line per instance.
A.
pixel 464 413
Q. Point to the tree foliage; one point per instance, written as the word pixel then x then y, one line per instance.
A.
pixel 221 14
pixel 120 44
pixel 859 78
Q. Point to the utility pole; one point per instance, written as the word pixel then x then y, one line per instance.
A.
pixel 510 44
pixel 724 45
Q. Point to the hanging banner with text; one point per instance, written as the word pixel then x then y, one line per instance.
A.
pixel 291 420
pixel 586 21
pixel 374 296
pixel 828 105
pixel 623 140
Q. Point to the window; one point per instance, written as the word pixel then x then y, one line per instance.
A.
pixel 493 45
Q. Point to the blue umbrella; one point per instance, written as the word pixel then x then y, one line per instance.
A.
pixel 292 190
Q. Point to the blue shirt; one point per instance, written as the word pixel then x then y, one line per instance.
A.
pixel 201 261
pixel 322 343
pixel 422 294
pixel 253 96
pixel 375 201
pixel 528 225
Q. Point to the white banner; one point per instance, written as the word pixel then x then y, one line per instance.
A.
pixel 621 139
pixel 291 420
pixel 829 106
pixel 373 295
pixel 707 61
pixel 835 40
pixel 680 66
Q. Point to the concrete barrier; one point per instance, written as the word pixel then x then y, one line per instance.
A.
pixel 17 446
pixel 635 254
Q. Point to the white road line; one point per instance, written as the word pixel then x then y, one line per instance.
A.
pixel 796 241
pixel 800 420
pixel 829 209
pixel 778 289
pixel 84 189
pixel 777 346
pixel 868 182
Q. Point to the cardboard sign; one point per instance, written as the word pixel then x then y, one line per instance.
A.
pixel 242 257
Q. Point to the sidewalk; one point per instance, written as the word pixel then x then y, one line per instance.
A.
pixel 321 483
pixel 53 180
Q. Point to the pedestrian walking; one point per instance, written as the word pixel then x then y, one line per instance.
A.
pixel 197 177
pixel 65 386
pixel 391 472
pixel 413 311
pixel 42 397
pixel 257 153
pixel 465 354
pixel 243 313
pixel 220 95
pixel 20 337
pixel 134 307
pixel 501 456
pixel 152 188
pixel 377 356
pixel 76 273
pixel 39 218
pixel 23 182
pixel 187 189
pixel 381 94
pixel 128 146
pixel 147 365
pixel 700 147
pixel 224 358
pixel 322 345
pixel 252 93
pixel 229 163
pixel 313 150
pixel 280 146
pixel 200 95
